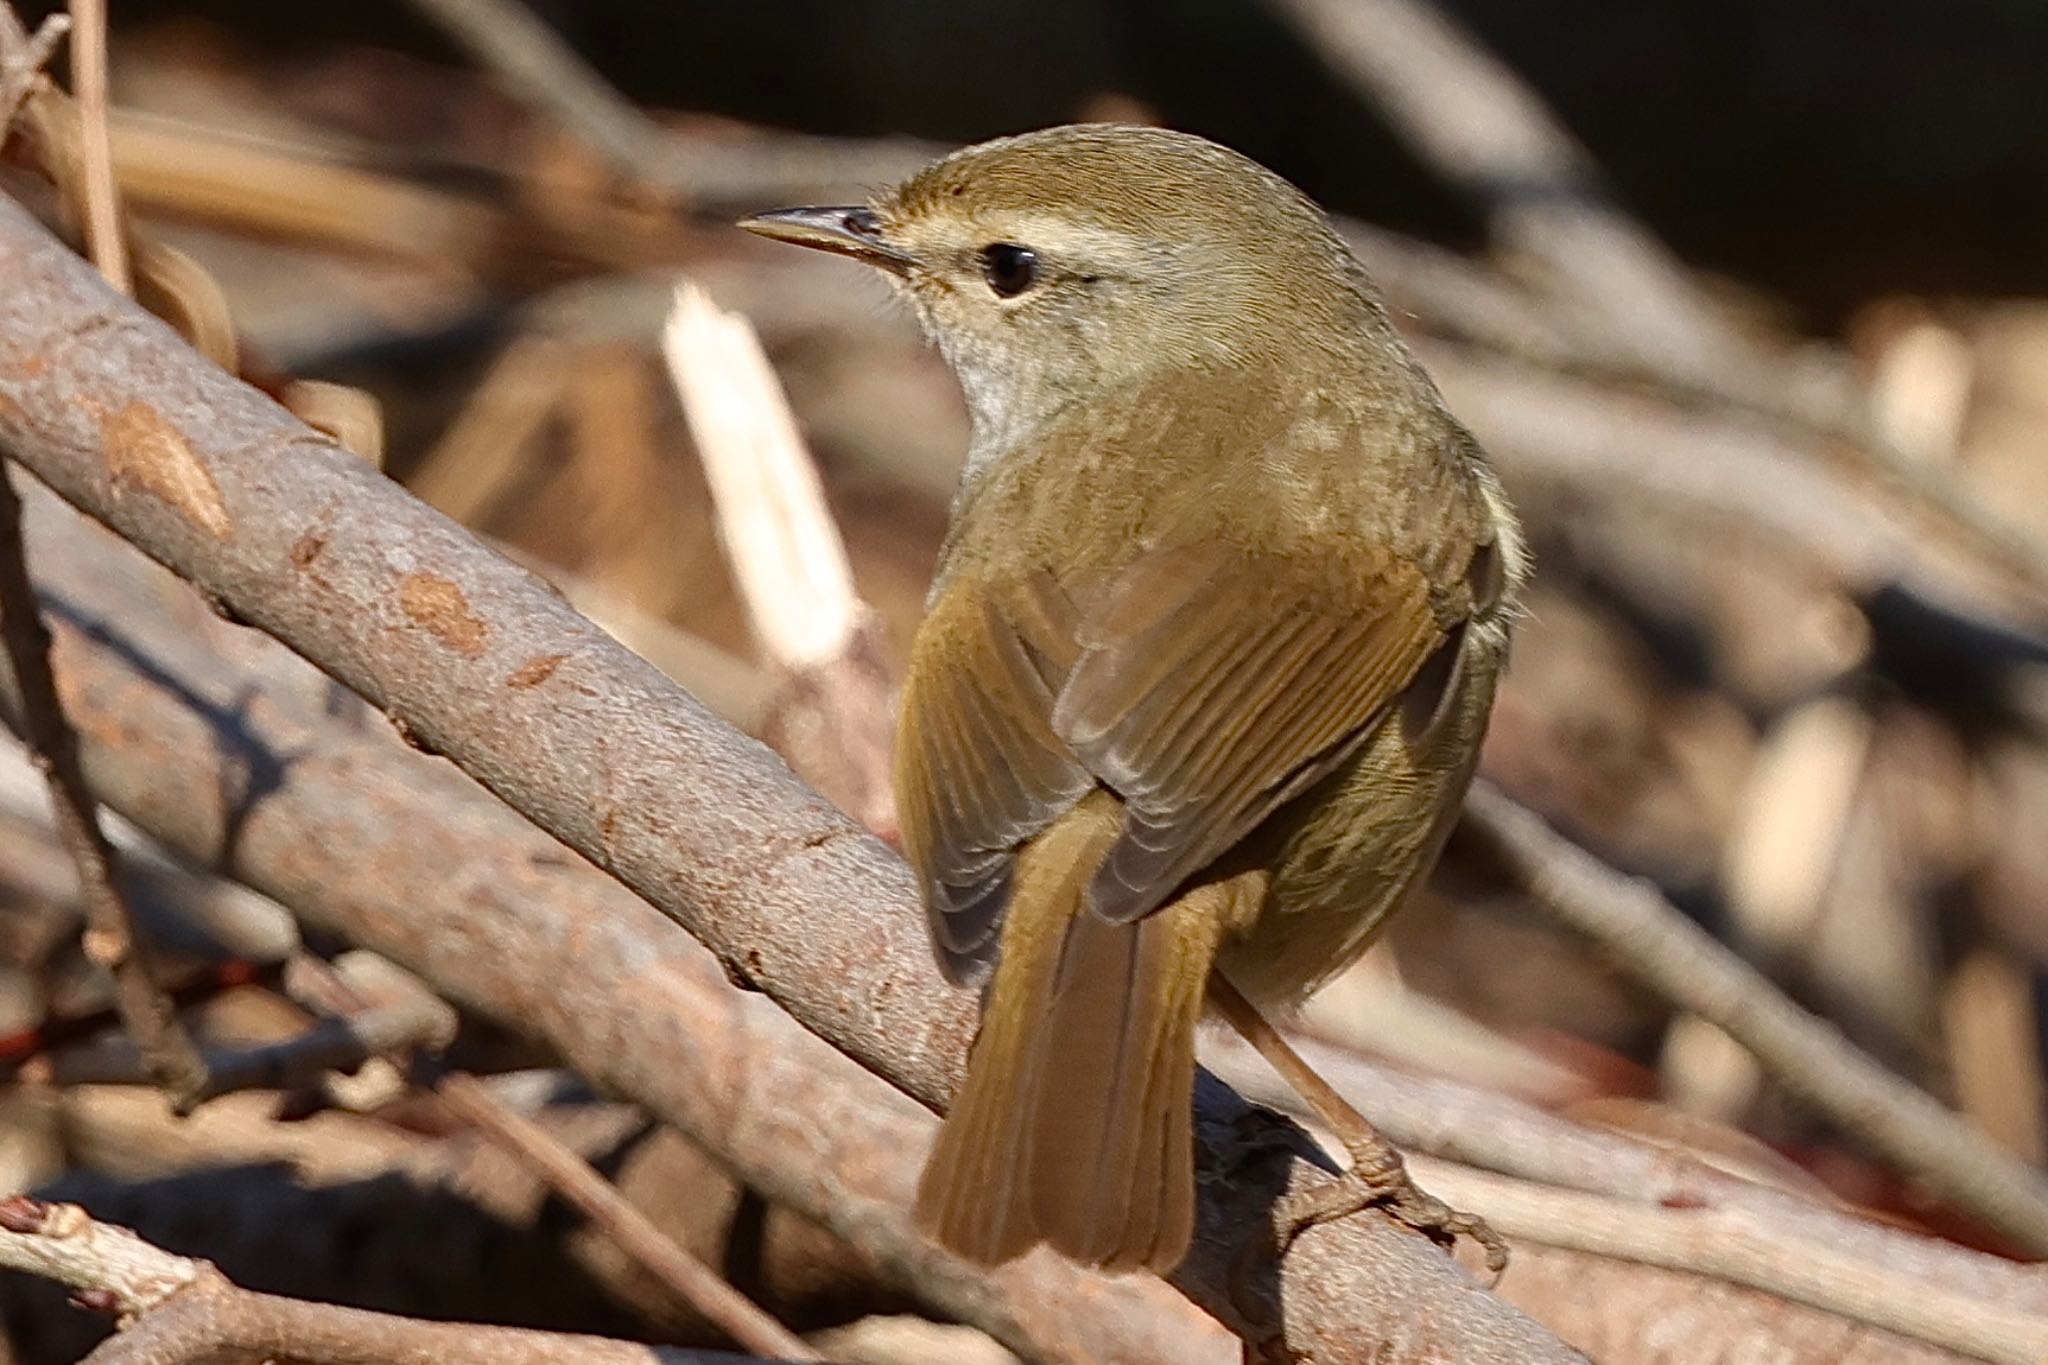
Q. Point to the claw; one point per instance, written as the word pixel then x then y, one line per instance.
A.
pixel 1372 1181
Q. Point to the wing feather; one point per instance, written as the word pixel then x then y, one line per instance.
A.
pixel 1203 685
pixel 1209 713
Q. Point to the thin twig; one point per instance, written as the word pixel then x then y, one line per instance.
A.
pixel 636 1234
pixel 103 237
pixel 185 1310
pixel 835 718
pixel 1655 942
pixel 328 1046
pixel 572 1177
pixel 1739 1246
pixel 23 57
pixel 144 1002
pixel 542 69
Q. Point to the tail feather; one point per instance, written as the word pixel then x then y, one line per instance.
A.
pixel 1073 1126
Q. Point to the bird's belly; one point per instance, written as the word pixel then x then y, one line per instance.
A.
pixel 1347 852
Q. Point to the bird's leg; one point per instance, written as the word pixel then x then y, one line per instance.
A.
pixel 1377 1177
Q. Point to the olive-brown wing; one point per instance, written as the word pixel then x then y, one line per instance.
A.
pixel 1212 685
pixel 1203 686
pixel 978 767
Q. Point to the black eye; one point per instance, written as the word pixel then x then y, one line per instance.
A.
pixel 1009 269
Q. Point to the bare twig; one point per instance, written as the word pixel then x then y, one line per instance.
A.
pixel 332 1198
pixel 23 57
pixel 103 227
pixel 214 1320
pixel 61 1242
pixel 566 1172
pixel 1654 941
pixel 600 1201
pixel 184 1310
pixel 834 720
pixel 146 1008
pixel 1741 1247
pixel 510 40
pixel 328 1046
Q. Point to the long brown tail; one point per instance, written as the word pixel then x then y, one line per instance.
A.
pixel 1073 1125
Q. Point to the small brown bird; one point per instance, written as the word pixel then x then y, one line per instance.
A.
pixel 1208 656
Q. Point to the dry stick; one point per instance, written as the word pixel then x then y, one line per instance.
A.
pixel 185 1310
pixel 22 59
pixel 214 1321
pixel 102 198
pixel 568 1174
pixel 144 1002
pixel 1654 941
pixel 778 533
pixel 1744 1248
pixel 329 1046
pixel 600 1201
pixel 544 71
pixel 834 720
pixel 297 194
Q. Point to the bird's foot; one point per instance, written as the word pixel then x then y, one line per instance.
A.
pixel 1378 1178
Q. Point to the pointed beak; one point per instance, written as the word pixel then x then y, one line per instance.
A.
pixel 854 232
